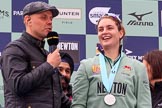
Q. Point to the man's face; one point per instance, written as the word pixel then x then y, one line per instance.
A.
pixel 39 24
pixel 64 69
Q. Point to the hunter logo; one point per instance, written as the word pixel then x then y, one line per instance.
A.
pixel 139 21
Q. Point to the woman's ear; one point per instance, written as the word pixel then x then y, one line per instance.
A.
pixel 121 34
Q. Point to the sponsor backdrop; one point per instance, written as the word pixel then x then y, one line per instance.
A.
pixel 76 26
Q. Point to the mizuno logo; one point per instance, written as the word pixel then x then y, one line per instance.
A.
pixel 140 16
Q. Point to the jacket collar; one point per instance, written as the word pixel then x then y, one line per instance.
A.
pixel 34 40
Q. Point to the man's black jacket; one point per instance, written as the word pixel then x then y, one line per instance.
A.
pixel 29 81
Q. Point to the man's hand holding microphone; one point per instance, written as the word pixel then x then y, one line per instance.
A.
pixel 54 57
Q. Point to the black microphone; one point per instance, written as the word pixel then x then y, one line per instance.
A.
pixel 53 40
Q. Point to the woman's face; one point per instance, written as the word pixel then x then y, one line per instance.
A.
pixel 108 33
pixel 149 70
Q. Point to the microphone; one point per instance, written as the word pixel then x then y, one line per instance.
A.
pixel 53 40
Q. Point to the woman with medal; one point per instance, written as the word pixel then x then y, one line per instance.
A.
pixel 111 79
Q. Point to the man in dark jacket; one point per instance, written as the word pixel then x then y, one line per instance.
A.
pixel 31 78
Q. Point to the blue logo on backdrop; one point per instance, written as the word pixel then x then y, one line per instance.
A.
pixel 5 38
pixel 17 11
pixel 160 17
pixel 136 47
pixel 73 45
pixel 97 8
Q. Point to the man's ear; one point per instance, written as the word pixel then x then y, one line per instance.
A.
pixel 27 19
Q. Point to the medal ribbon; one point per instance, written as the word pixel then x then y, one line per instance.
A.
pixel 108 82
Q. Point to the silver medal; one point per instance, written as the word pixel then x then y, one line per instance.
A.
pixel 109 99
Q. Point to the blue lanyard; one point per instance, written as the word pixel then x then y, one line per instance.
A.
pixel 108 82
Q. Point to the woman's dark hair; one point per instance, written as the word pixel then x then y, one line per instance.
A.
pixel 154 59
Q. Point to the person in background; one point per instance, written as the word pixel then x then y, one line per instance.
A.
pixel 153 62
pixel 30 75
pixel 111 79
pixel 66 68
